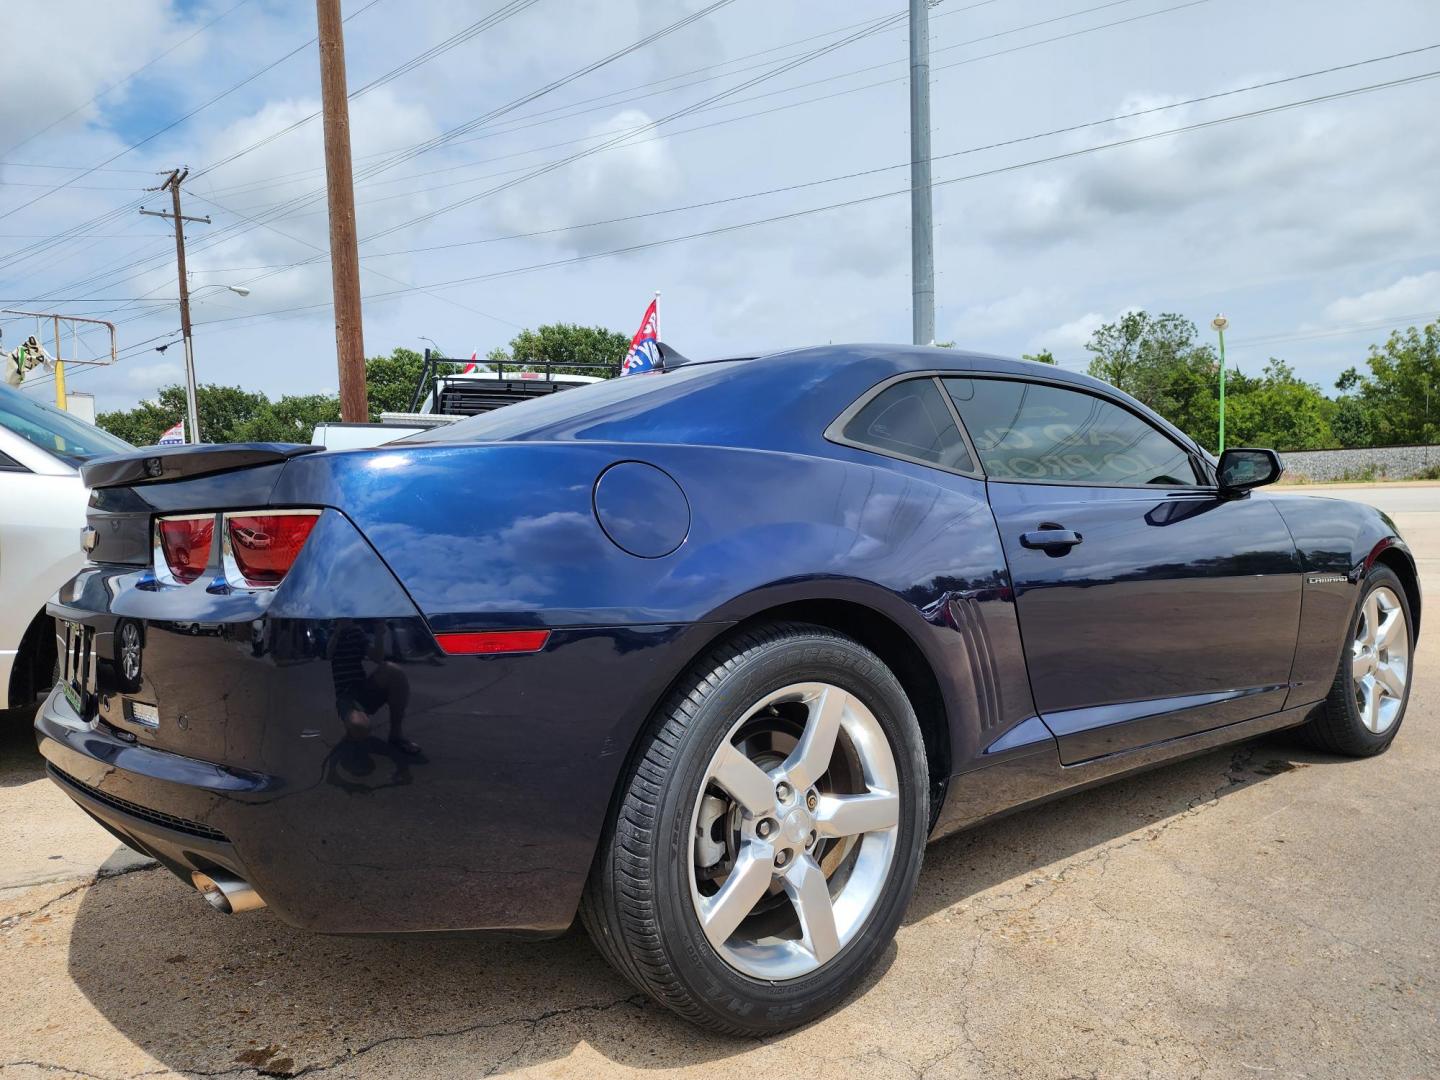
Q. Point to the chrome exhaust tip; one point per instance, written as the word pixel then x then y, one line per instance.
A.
pixel 226 893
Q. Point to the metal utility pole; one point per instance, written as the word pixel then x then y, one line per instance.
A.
pixel 340 187
pixel 172 184
pixel 922 225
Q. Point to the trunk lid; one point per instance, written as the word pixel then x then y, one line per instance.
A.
pixel 128 490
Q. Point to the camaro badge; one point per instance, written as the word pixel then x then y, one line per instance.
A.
pixel 1326 579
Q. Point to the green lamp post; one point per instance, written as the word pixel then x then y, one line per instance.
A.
pixel 1220 324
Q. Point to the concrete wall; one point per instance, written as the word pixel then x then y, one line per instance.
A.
pixel 1368 463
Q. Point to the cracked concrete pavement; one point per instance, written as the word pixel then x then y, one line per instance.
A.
pixel 1262 911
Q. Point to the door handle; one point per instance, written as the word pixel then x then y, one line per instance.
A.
pixel 1051 539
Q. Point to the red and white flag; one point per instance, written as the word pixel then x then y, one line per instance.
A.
pixel 644 352
pixel 472 365
pixel 173 436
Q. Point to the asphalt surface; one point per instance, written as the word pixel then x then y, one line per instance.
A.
pixel 1262 911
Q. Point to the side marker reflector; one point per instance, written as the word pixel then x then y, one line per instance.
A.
pixel 489 642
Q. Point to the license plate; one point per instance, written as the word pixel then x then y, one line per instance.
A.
pixel 144 715
pixel 77 667
pixel 73 697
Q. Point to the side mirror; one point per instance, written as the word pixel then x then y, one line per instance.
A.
pixel 1243 469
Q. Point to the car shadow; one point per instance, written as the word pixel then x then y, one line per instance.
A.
pixel 20 762
pixel 206 993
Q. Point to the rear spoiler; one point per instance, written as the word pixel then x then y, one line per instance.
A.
pixel 158 464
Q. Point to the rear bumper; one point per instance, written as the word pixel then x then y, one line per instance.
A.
pixel 121 786
pixel 487 822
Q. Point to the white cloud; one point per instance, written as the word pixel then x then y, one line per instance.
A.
pixel 1408 296
pixel 149 376
pixel 1270 219
pixel 632 178
pixel 59 56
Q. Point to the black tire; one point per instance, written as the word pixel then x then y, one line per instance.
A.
pixel 1337 727
pixel 637 906
pixel 37 665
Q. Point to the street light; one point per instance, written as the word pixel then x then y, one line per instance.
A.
pixel 1220 324
pixel 192 402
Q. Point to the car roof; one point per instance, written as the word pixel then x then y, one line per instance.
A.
pixel 777 401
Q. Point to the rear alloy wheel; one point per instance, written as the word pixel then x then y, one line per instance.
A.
pixel 768 840
pixel 1367 701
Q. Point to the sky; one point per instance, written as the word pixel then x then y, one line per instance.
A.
pixel 751 165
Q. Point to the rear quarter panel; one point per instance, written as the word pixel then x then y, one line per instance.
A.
pixel 504 534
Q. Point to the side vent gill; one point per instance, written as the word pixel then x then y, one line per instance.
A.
pixel 965 615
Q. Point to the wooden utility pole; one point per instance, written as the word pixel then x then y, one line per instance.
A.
pixel 172 184
pixel 340 187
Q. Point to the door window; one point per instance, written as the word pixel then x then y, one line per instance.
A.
pixel 910 420
pixel 1036 432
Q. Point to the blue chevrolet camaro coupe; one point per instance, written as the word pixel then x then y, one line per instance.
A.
pixel 704 656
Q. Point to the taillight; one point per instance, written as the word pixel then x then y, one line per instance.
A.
pixel 184 546
pixel 262 545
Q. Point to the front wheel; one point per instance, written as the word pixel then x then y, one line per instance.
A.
pixel 767 840
pixel 1367 701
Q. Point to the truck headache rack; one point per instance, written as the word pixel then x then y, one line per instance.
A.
pixel 499 384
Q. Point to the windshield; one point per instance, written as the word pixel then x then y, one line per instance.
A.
pixel 54 431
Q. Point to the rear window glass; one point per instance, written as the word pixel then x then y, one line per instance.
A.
pixel 54 431
pixel 910 420
pixel 527 418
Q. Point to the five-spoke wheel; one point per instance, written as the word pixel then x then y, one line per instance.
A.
pixel 794 830
pixel 1367 701
pixel 1380 659
pixel 768 839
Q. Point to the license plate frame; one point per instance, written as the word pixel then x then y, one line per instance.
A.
pixel 77 667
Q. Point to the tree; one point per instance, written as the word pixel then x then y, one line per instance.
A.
pixel 223 410
pixel 1394 401
pixel 575 349
pixel 391 380
pixel 1277 410
pixel 291 419
pixel 1044 356
pixel 1156 359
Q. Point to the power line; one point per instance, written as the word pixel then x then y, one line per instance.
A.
pixel 1018 140
pixel 280 209
pixel 429 144
pixel 1339 331
pixel 570 110
pixel 116 85
pixel 173 124
pixel 806 212
pixel 456 39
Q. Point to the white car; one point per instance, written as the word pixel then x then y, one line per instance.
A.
pixel 42 510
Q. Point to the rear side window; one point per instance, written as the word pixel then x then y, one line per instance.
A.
pixel 1031 431
pixel 910 420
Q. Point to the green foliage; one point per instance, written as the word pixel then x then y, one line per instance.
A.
pixel 1158 359
pixel 1277 410
pixel 1044 356
pixel 566 344
pixel 1155 358
pixel 224 410
pixel 390 381
pixel 291 419
pixel 1392 404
